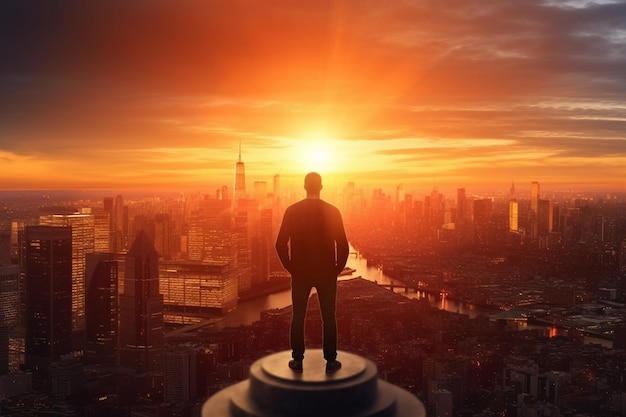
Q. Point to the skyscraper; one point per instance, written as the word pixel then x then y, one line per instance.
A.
pixel 83 242
pixel 102 228
pixel 545 217
pixel 180 376
pixel 101 309
pixel 534 209
pixel 48 263
pixel 513 216
pixel 461 206
pixel 118 222
pixel 9 306
pixel 260 193
pixel 534 196
pixel 483 211
pixel 240 179
pixel 141 309
pixel 197 289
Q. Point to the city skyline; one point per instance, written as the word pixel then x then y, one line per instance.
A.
pixel 448 95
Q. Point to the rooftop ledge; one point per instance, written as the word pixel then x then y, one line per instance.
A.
pixel 274 390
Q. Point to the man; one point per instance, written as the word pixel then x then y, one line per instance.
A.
pixel 313 248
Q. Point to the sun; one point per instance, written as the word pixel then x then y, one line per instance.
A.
pixel 316 153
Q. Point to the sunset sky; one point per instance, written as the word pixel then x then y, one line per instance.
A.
pixel 429 93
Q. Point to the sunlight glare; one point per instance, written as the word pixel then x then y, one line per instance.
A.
pixel 316 153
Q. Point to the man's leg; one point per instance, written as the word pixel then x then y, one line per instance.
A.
pixel 327 297
pixel 299 299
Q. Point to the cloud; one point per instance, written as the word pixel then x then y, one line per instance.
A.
pixel 101 80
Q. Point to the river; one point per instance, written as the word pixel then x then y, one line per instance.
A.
pixel 249 311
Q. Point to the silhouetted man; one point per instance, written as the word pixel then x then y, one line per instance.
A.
pixel 313 247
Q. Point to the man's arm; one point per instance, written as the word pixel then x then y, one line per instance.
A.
pixel 343 249
pixel 282 247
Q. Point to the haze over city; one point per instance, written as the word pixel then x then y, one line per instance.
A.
pixel 160 95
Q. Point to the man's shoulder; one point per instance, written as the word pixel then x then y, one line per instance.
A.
pixel 311 202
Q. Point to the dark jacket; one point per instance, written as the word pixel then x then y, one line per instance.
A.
pixel 312 242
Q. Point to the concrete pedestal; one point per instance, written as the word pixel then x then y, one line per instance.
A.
pixel 274 390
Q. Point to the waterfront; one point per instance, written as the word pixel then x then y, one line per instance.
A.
pixel 249 311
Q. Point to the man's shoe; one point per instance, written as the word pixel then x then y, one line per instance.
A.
pixel 333 366
pixel 295 365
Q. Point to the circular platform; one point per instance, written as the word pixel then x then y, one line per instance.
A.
pixel 274 390
pixel 274 386
pixel 314 365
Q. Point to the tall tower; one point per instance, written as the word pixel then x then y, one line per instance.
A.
pixel 48 263
pixel 9 307
pixel 461 206
pixel 240 179
pixel 180 376
pixel 141 309
pixel 83 242
pixel 534 196
pixel 101 309
pixel 513 216
pixel 534 208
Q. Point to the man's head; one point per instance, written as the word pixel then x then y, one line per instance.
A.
pixel 313 183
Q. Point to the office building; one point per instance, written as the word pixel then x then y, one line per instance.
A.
pixel 118 223
pixel 240 180
pixel 67 377
pixel 9 306
pixel 483 225
pixel 260 193
pixel 102 228
pixel 101 307
pixel 180 376
pixel 48 263
pixel 83 242
pixel 261 248
pixel 513 216
pixel 193 289
pixel 141 309
pixel 462 214
pixel 534 209
pixel 545 217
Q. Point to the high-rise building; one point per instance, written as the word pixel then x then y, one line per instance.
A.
pixel 260 193
pixel 67 377
pixel 101 307
pixel 163 234
pixel 435 210
pixel 461 206
pixel 9 306
pixel 545 217
pixel 180 377
pixel 534 209
pixel 261 248
pixel 193 289
pixel 240 179
pixel 513 216
pixel 118 223
pixel 534 196
pixel 5 245
pixel 83 242
pixel 399 196
pixel 48 263
pixel 245 221
pixel 483 210
pixel 141 309
pixel 276 188
pixel 101 226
